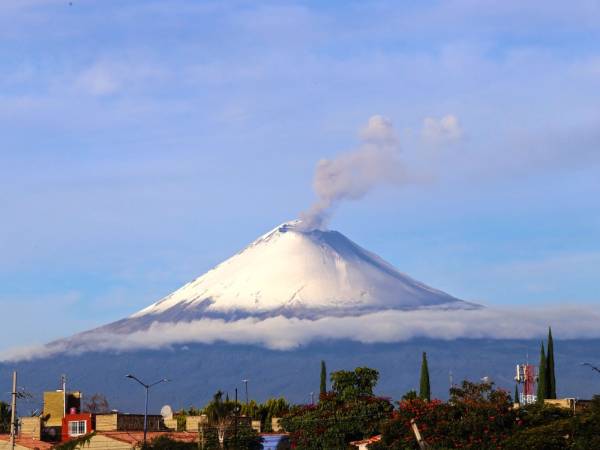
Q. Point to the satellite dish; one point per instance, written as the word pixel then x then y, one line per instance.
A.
pixel 167 412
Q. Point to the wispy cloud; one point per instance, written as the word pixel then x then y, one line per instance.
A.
pixel 442 130
pixel 98 80
pixel 282 333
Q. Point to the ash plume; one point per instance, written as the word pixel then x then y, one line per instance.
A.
pixel 351 175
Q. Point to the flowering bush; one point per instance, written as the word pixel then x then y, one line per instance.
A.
pixel 350 412
pixel 475 417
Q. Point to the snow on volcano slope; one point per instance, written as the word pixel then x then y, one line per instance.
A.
pixel 293 273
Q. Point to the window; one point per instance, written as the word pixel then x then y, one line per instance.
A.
pixel 77 427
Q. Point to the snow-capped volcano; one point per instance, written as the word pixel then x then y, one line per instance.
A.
pixel 292 272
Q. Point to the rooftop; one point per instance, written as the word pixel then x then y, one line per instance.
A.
pixel 28 442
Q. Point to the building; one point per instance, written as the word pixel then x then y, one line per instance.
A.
pixel 77 424
pixel 117 421
pixel 62 420
pixel 57 404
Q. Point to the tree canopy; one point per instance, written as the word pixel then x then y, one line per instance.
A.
pixel 349 412
pixel 424 385
pixel 4 418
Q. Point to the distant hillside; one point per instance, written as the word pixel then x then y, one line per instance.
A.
pixel 197 371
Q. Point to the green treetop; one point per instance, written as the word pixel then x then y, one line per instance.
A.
pixel 550 377
pixel 424 387
pixel 323 388
pixel 542 386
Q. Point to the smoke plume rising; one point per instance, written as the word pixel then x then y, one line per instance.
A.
pixel 351 175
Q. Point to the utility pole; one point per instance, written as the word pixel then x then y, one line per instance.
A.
pixel 63 382
pixel 13 412
pixel 147 388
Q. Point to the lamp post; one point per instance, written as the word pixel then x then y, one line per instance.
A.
pixel 246 386
pixel 147 388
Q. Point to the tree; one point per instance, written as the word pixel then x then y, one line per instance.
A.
pixel 323 388
pixel 550 377
pixel 410 395
pixel 220 415
pixel 167 443
pixel 547 427
pixel 542 386
pixel 424 386
pixel 273 407
pixel 347 413
pixel 97 404
pixel 4 418
pixel 516 399
pixel 224 431
pixel 354 384
pixel 476 417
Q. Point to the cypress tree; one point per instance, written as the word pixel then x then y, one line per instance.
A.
pixel 424 386
pixel 323 389
pixel 516 399
pixel 550 377
pixel 542 386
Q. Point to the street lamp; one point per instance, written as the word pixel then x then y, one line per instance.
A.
pixel 246 385
pixel 147 387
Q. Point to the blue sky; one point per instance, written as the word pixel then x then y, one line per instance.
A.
pixel 143 142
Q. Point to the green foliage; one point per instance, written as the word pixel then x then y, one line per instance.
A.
pixel 4 418
pixel 167 443
pixel 539 414
pixel 431 417
pixel 476 417
pixel 480 417
pixel 410 395
pixel 353 384
pixel 240 437
pixel 181 421
pixel 542 427
pixel 550 376
pixel 544 437
pixel 542 386
pixel 217 409
pixel 77 443
pixel 350 412
pixel 424 386
pixel 323 387
pixel 516 396
pixel 224 420
pixel 273 407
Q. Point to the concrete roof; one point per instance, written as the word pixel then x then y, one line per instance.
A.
pixel 28 442
pixel 133 437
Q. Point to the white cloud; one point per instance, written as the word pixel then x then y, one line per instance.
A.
pixel 106 77
pixel 98 80
pixel 445 129
pixel 281 333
